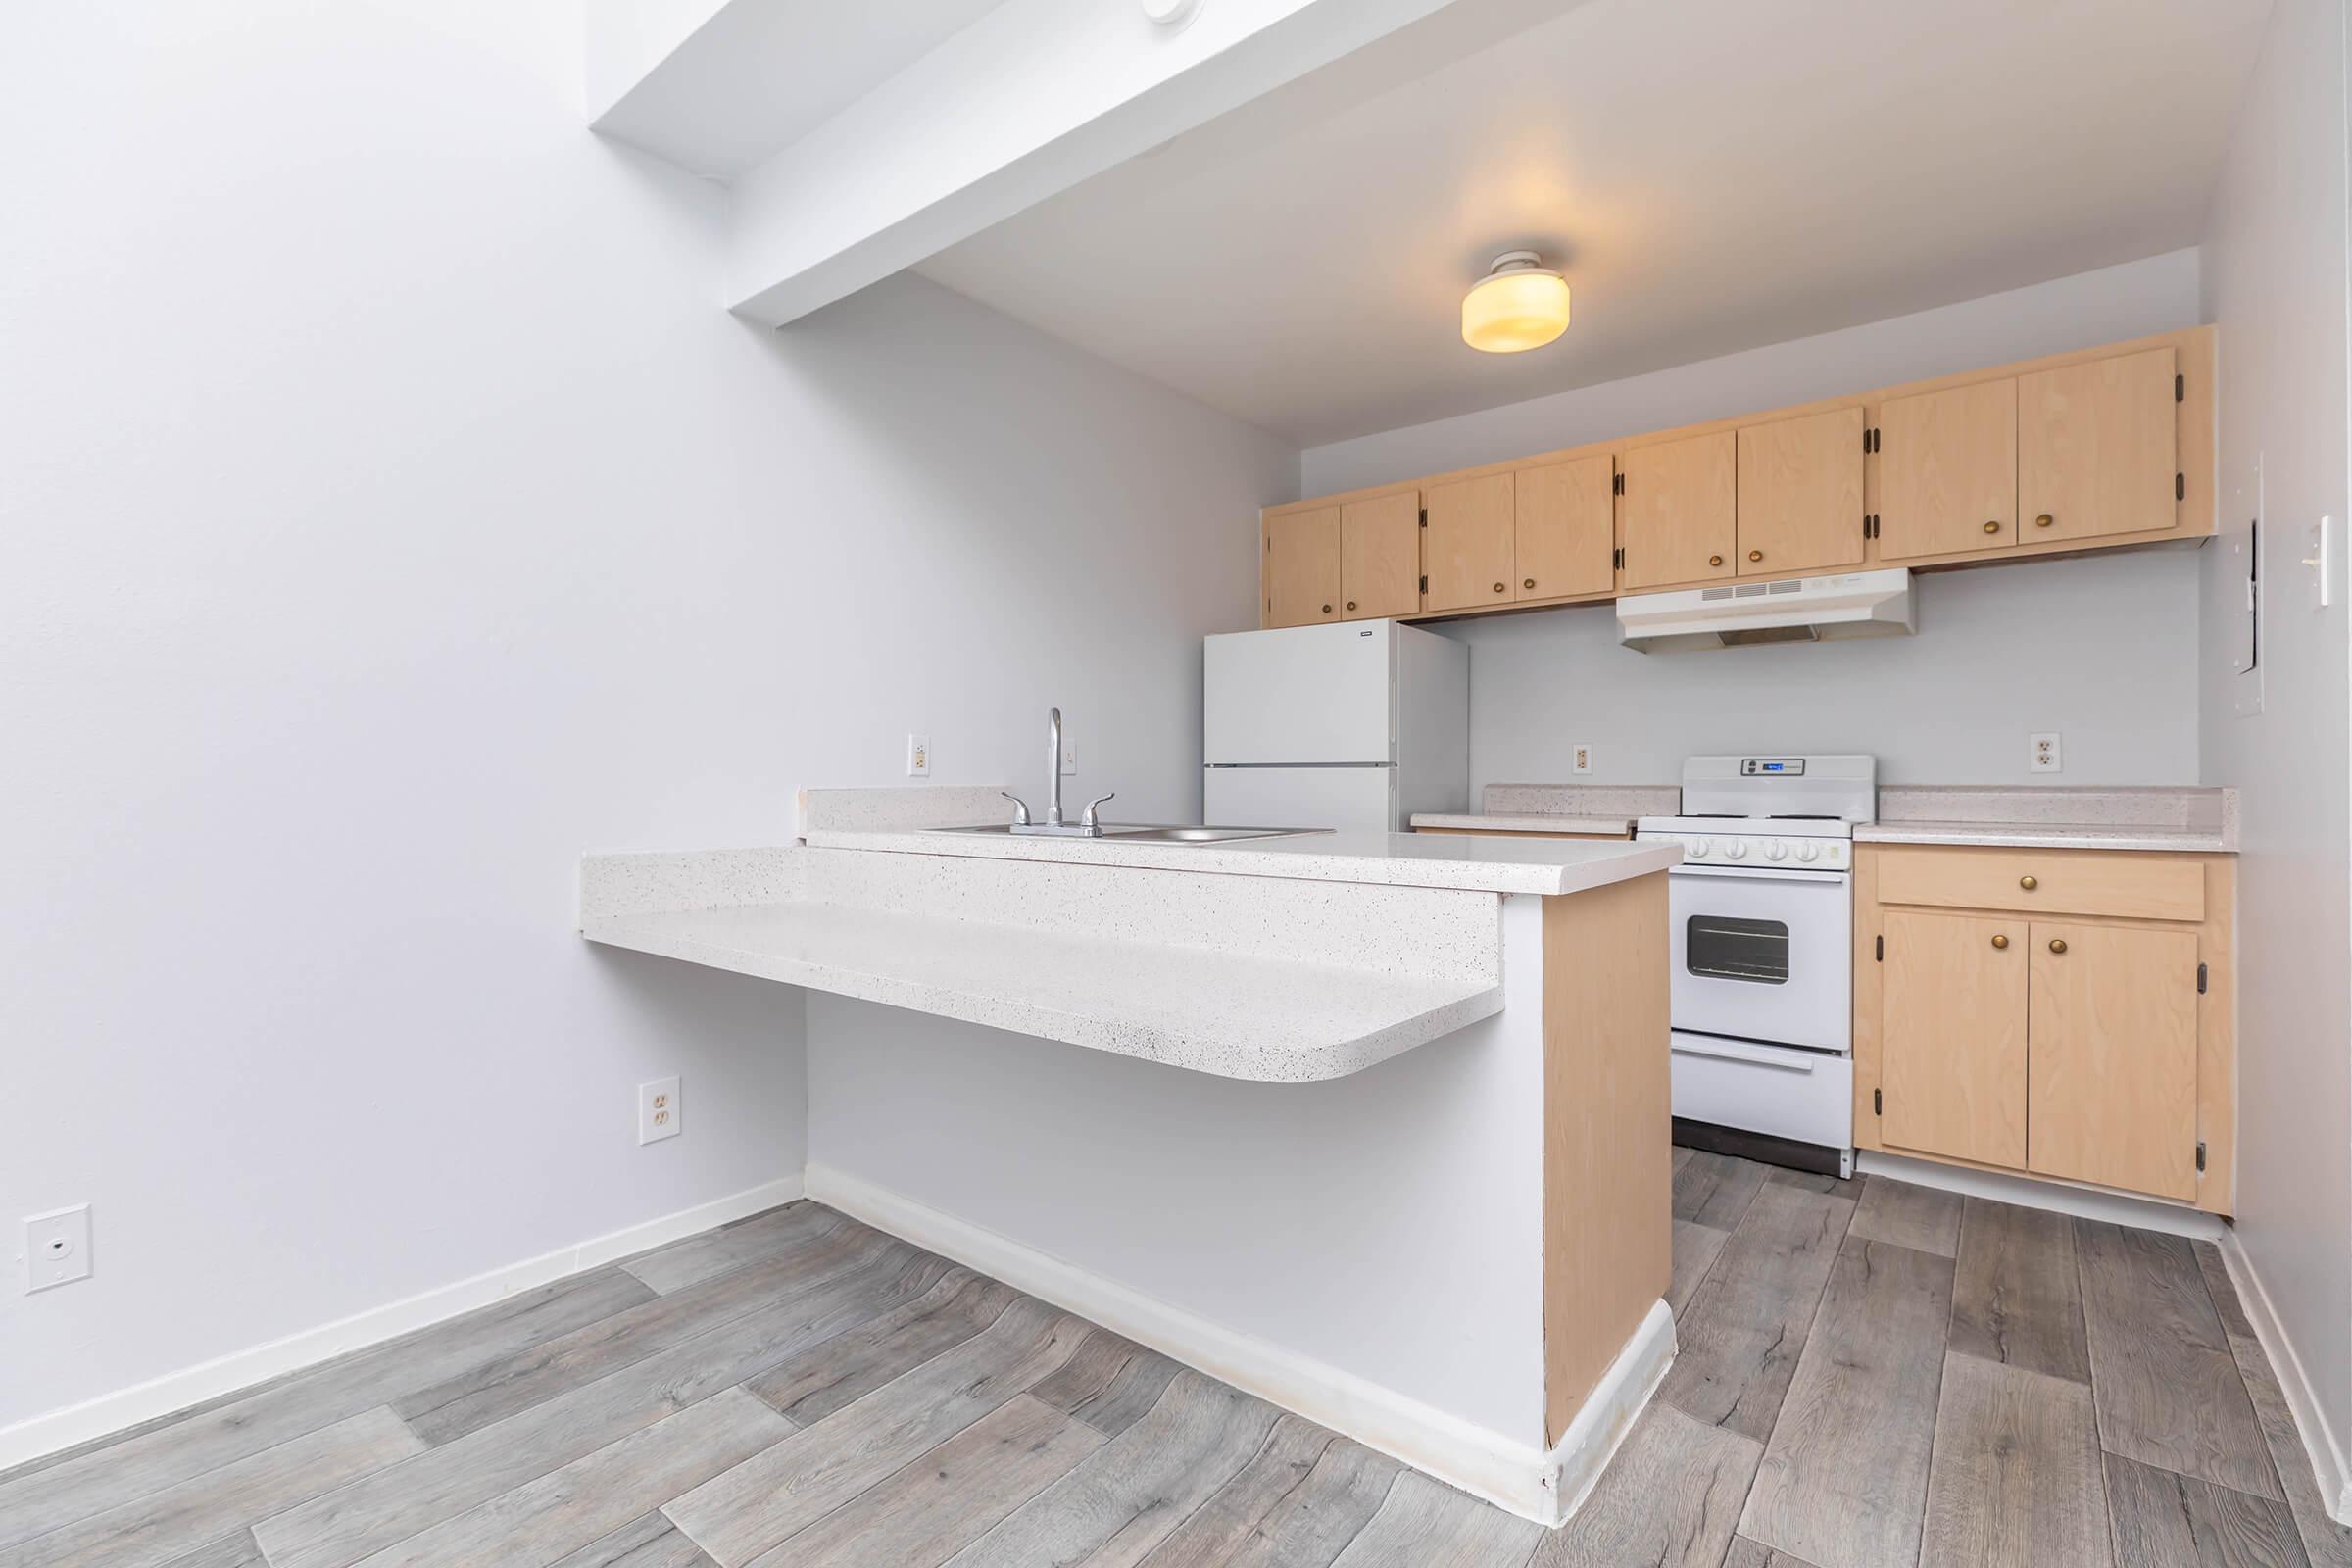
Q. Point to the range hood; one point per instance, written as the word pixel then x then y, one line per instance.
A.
pixel 1792 609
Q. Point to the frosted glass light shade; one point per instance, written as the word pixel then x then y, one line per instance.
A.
pixel 1519 305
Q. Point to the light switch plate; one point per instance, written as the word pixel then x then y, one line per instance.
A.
pixel 658 1111
pixel 2318 559
pixel 1579 758
pixel 57 1248
pixel 2042 753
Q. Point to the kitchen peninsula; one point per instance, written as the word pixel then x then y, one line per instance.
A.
pixel 1398 1105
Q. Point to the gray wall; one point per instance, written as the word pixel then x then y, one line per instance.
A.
pixel 2103 650
pixel 2276 281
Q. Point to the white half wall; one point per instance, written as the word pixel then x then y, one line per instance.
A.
pixel 2276 280
pixel 1388 1224
pixel 394 513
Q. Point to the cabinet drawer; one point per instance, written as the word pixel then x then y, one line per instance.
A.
pixel 2111 882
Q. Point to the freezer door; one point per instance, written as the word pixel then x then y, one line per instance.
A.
pixel 1299 694
pixel 1302 797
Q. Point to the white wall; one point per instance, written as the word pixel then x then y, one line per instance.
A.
pixel 394 513
pixel 2276 281
pixel 2103 652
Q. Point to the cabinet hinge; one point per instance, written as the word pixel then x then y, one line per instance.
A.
pixel 2200 1156
pixel 2179 389
pixel 1425 585
pixel 1878 1102
pixel 1870 525
pixel 2200 979
pixel 1269 547
pixel 1617 558
pixel 1424 516
pixel 1879 954
pixel 1617 484
pixel 1870 439
pixel 2179 487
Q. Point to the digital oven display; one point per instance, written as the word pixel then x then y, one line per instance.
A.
pixel 1770 766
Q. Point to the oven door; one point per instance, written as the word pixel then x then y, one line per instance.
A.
pixel 1763 954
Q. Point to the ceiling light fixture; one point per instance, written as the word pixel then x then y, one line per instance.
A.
pixel 1520 304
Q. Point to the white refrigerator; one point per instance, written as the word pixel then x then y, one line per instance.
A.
pixel 1354 725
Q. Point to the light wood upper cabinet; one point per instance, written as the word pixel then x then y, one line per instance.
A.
pixel 1800 493
pixel 2096 448
pixel 1947 471
pixel 1566 528
pixel 1952 1038
pixel 1678 520
pixel 1469 549
pixel 1380 556
pixel 2114 1093
pixel 1302 567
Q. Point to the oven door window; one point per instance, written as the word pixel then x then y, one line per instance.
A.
pixel 1721 947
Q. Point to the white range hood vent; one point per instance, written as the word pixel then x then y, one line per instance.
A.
pixel 1792 609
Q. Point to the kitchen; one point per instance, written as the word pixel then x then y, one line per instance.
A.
pixel 722 474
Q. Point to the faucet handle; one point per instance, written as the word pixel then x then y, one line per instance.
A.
pixel 1020 808
pixel 1088 820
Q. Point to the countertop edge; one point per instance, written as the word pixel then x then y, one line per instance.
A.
pixel 2048 836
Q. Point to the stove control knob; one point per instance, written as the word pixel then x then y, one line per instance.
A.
pixel 1807 850
pixel 1774 850
pixel 1735 851
pixel 1699 847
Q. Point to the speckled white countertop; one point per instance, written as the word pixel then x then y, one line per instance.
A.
pixel 1232 1014
pixel 1395 859
pixel 2187 820
pixel 1525 822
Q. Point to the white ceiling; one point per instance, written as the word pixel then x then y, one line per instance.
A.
pixel 754 77
pixel 1713 174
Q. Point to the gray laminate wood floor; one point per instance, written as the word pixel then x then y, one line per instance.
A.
pixel 1871 1374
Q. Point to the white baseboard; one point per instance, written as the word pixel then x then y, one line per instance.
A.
pixel 2061 1198
pixel 1523 1477
pixel 2327 1462
pixel 207 1380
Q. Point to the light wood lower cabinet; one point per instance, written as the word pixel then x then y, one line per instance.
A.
pixel 1953 1015
pixel 2063 1013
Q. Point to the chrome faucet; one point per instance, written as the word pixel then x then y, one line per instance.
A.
pixel 1086 827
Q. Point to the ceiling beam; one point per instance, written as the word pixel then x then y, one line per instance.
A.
pixel 1029 100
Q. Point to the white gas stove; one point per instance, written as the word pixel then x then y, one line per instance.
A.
pixel 1762 995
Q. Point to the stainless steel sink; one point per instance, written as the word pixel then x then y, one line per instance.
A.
pixel 1148 833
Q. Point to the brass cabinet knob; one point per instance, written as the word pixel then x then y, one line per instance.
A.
pixel 1755 555
pixel 1350 603
pixel 2044 521
pixel 1327 610
pixel 1714 561
pixel 2057 943
pixel 2029 883
pixel 1498 587
pixel 2001 942
pixel 1530 583
pixel 1992 527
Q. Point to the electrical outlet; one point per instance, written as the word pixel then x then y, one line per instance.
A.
pixel 918 755
pixel 1070 755
pixel 57 1248
pixel 1579 758
pixel 2042 755
pixel 658 1111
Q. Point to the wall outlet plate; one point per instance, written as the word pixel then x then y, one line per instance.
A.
pixel 918 755
pixel 1579 758
pixel 2042 753
pixel 57 1248
pixel 658 1111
